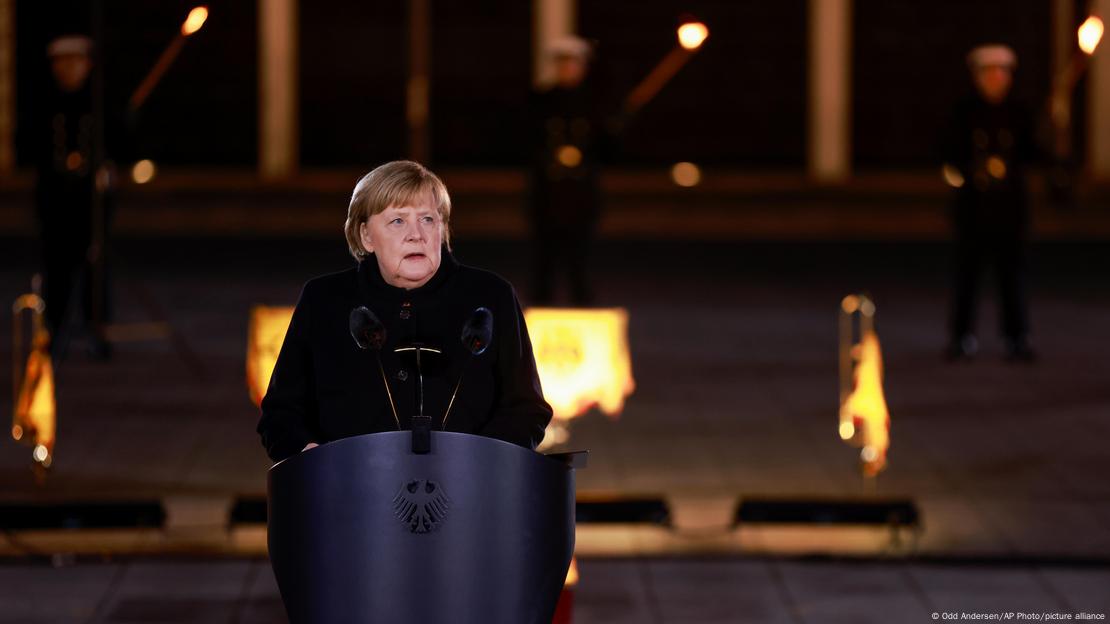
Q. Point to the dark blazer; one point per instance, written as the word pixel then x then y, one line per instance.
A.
pixel 324 387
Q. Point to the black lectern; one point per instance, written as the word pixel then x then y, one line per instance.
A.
pixel 364 530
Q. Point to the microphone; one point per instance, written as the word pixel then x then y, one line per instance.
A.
pixel 367 329
pixel 477 333
pixel 369 334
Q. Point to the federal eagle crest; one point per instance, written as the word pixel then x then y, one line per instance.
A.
pixel 421 505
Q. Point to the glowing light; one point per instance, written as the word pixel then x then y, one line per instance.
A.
pixel 849 304
pixel 143 171
pixel 686 174
pixel 569 156
pixel 194 21
pixel 74 160
pixel 583 359
pixel 847 430
pixel 265 334
pixel 1090 34
pixel 692 34
pixel 996 167
pixel 17 432
pixel 572 573
pixel 865 408
pixel 952 176
pixel 554 435
pixel 35 407
pixel 40 454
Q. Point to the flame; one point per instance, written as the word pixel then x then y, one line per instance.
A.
pixel 195 20
pixel 1090 34
pixel 692 34
pixel 265 334
pixel 572 573
pixel 35 407
pixel 582 358
pixel 864 412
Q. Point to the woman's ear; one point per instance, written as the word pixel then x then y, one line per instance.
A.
pixel 364 234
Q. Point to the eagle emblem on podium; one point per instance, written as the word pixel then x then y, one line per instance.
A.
pixel 421 505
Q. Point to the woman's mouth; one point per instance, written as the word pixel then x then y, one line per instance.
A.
pixel 414 256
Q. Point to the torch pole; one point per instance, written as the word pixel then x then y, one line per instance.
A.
pixel 169 55
pixel 658 78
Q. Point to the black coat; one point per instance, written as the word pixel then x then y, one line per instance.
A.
pixel 324 387
pixel 977 132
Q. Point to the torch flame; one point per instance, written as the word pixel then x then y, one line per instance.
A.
pixel 195 20
pixel 692 34
pixel 265 335
pixel 582 358
pixel 1090 33
pixel 864 412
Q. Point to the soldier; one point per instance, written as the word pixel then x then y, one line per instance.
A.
pixel 987 148
pixel 72 219
pixel 568 137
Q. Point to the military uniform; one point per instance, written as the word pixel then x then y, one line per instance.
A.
pixel 71 217
pixel 990 146
pixel 565 188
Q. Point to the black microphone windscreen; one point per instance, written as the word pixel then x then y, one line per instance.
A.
pixel 366 329
pixel 478 331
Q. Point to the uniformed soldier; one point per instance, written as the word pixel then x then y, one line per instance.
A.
pixel 569 138
pixel 988 146
pixel 71 204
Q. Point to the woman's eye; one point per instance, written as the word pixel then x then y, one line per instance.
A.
pixel 428 219
pixel 396 221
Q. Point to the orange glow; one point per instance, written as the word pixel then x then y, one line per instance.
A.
pixel 572 573
pixel 996 167
pixel 569 156
pixel 864 413
pixel 686 174
pixel 143 171
pixel 1090 34
pixel 265 334
pixel 952 176
pixel 195 20
pixel 36 409
pixel 692 34
pixel 583 359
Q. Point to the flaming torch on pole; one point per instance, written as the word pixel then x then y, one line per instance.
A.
pixel 691 35
pixel 1088 37
pixel 189 27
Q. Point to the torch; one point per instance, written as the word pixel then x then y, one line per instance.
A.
pixel 189 27
pixel 690 37
pixel 1089 35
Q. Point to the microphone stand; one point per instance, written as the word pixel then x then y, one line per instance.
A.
pixel 421 424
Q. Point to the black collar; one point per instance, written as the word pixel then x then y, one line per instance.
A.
pixel 375 287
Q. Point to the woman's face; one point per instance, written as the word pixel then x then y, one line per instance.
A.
pixel 406 241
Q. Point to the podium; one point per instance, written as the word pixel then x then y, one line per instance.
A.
pixel 477 530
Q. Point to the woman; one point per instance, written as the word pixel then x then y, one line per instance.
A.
pixel 325 387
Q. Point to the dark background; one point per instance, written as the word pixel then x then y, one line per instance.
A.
pixel 741 101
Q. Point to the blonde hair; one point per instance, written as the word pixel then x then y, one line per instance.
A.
pixel 393 184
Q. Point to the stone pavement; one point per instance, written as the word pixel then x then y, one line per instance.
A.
pixel 632 591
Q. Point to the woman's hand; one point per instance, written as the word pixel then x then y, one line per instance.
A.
pixel 310 445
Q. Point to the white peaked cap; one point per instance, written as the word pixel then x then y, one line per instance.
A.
pixel 993 55
pixel 69 44
pixel 569 45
